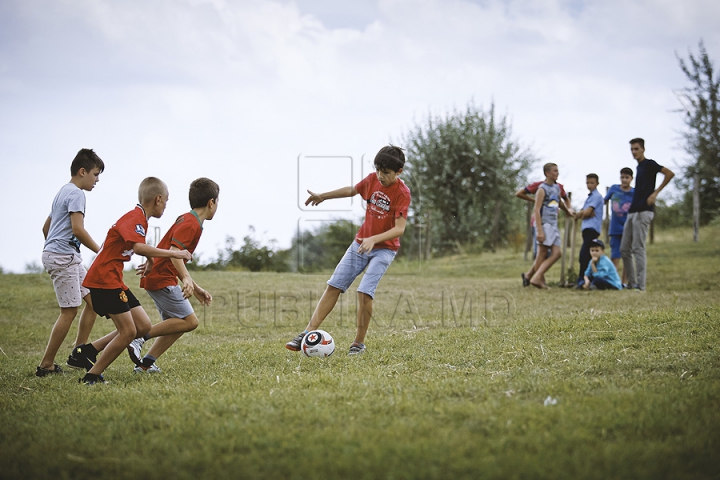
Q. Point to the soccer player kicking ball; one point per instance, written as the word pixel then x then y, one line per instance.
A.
pixel 375 244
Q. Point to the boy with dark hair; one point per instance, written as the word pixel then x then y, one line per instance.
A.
pixel 600 273
pixel 110 296
pixel 591 215
pixel 64 232
pixel 620 197
pixel 375 244
pixel 547 203
pixel 161 280
pixel 641 213
pixel 524 194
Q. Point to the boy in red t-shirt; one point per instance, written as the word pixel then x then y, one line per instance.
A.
pixel 161 282
pixel 375 244
pixel 110 296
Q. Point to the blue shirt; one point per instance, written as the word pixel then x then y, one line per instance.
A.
pixel 619 205
pixel 605 270
pixel 647 171
pixel 594 200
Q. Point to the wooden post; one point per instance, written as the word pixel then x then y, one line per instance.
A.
pixel 528 231
pixel 696 207
pixel 566 240
pixel 572 255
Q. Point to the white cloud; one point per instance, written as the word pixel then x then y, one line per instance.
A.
pixel 237 90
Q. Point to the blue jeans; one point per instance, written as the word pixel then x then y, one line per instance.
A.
pixel 353 263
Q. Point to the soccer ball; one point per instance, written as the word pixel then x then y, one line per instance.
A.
pixel 318 343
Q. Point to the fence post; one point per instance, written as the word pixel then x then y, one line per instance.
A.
pixel 528 230
pixel 696 207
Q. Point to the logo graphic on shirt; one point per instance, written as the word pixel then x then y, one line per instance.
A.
pixel 128 253
pixel 379 204
pixel 140 229
pixel 553 202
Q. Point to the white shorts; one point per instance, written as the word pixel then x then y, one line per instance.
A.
pixel 67 274
pixel 552 235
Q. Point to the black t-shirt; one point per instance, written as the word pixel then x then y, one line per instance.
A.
pixel 645 176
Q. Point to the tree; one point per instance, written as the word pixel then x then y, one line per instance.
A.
pixel 701 114
pixel 252 255
pixel 322 249
pixel 463 169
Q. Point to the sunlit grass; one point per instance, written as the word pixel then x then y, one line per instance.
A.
pixel 461 361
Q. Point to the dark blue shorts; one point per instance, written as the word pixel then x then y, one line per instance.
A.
pixel 615 246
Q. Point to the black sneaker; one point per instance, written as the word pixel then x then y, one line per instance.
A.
pixel 92 379
pixel 44 372
pixel 525 280
pixel 81 358
pixel 295 343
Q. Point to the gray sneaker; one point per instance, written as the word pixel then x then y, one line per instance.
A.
pixel 135 351
pixel 151 369
pixel 357 348
pixel 295 343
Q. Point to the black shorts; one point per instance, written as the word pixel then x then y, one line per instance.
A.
pixel 107 302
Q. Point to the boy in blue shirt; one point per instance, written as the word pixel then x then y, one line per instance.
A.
pixel 591 215
pixel 620 197
pixel 600 273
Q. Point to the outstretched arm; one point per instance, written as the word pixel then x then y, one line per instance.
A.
pixel 318 198
pixel 522 195
pixel 147 251
pixel 669 174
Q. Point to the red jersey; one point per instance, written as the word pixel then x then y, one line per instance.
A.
pixel 384 205
pixel 185 235
pixel 106 270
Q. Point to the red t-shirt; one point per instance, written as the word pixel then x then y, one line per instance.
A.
pixel 185 235
pixel 384 205
pixel 106 271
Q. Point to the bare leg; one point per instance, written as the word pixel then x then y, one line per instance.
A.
pixel 364 315
pixel 87 321
pixel 616 262
pixel 130 325
pixel 324 307
pixel 57 336
pixel 168 331
pixel 538 280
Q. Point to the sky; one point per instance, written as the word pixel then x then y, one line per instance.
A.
pixel 271 98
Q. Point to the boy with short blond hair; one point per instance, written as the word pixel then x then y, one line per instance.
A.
pixel 161 282
pixel 374 247
pixel 64 232
pixel 110 296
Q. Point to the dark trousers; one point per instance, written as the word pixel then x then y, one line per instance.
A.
pixel 602 284
pixel 589 234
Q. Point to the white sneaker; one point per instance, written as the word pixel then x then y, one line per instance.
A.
pixel 151 369
pixel 135 351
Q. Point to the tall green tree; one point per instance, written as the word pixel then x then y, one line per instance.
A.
pixel 463 169
pixel 701 140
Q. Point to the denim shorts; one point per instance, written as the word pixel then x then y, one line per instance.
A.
pixel 171 303
pixel 353 263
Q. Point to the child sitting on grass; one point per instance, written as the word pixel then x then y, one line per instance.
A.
pixel 600 274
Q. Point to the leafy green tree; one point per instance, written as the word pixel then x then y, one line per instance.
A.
pixel 463 169
pixel 323 248
pixel 701 113
pixel 252 255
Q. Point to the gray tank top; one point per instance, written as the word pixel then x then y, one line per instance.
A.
pixel 551 203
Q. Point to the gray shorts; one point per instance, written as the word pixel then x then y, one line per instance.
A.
pixel 552 235
pixel 67 274
pixel 171 303
pixel 353 263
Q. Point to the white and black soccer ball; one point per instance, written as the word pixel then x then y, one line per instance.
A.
pixel 318 343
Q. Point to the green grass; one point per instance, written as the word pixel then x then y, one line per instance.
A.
pixel 635 377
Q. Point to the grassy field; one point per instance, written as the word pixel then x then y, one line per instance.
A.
pixel 467 375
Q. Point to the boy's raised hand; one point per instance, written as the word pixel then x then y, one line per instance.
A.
pixel 313 199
